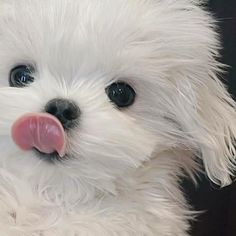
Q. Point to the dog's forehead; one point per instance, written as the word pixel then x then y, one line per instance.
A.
pixel 142 37
pixel 80 30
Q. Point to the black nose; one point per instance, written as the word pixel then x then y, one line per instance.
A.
pixel 66 111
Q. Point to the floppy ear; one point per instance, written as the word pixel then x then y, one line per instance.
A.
pixel 203 108
pixel 217 131
pixel 207 115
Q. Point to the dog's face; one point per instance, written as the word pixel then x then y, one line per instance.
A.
pixel 125 79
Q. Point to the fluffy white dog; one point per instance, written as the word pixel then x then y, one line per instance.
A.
pixel 105 105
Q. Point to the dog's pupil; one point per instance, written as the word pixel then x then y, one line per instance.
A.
pixel 21 76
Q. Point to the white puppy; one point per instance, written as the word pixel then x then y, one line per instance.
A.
pixel 105 105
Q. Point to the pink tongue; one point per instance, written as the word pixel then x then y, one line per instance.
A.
pixel 41 131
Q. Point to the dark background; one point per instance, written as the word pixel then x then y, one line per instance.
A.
pixel 220 204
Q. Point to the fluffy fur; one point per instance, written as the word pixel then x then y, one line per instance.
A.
pixel 123 174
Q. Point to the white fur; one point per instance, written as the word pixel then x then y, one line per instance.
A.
pixel 123 177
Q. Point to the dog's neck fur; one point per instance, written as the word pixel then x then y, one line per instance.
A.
pixel 150 193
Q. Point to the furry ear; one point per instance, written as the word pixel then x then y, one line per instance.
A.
pixel 217 133
pixel 212 127
pixel 207 115
pixel 203 108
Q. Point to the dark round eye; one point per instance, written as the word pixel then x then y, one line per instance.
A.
pixel 120 93
pixel 21 76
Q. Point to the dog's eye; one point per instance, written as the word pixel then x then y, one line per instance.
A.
pixel 21 76
pixel 120 93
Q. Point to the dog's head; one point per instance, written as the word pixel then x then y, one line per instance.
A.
pixel 124 79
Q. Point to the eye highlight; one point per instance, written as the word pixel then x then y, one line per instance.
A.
pixel 121 94
pixel 21 76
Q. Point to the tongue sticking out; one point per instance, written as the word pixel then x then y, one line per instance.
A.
pixel 41 131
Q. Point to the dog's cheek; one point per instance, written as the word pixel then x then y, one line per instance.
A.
pixel 113 139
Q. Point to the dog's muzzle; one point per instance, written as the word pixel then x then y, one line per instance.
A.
pixel 46 131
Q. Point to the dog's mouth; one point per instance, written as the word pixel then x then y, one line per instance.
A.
pixel 41 132
pixel 49 157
